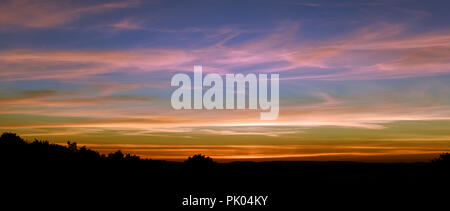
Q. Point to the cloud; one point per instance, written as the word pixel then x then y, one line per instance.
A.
pixel 127 24
pixel 381 51
pixel 366 152
pixel 53 98
pixel 64 64
pixel 43 14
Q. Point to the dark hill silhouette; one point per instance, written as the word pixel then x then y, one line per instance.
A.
pixel 51 173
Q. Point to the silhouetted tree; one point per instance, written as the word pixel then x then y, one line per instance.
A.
pixel 443 158
pixel 11 139
pixel 199 160
pixel 118 155
pixel 132 157
pixel 72 146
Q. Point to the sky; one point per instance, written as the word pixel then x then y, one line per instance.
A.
pixel 359 80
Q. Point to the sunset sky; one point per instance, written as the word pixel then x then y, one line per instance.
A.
pixel 359 80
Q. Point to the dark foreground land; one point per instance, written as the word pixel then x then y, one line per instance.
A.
pixel 39 174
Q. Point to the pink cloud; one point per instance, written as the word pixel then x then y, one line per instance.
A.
pixel 63 64
pixel 373 52
pixel 127 24
pixel 41 14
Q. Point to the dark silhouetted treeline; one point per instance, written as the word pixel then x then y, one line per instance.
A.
pixel 15 148
pixel 55 175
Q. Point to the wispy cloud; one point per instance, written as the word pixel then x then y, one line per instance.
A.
pixel 291 152
pixel 42 14
pixel 127 24
pixel 382 51
pixel 61 64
